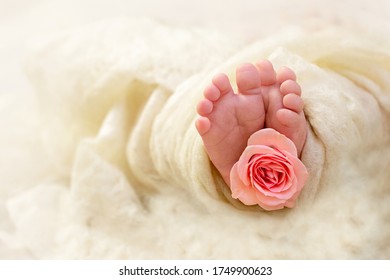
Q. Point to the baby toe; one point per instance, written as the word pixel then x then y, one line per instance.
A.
pixel 287 117
pixel 202 125
pixel 212 93
pixel 293 102
pixel 204 107
pixel 290 86
pixel 285 74
pixel 222 83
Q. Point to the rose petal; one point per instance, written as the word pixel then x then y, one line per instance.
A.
pixel 246 156
pixel 271 208
pixel 272 138
pixel 300 171
pixel 285 168
pixel 241 191
pixel 271 186
pixel 269 203
pixel 284 190
pixel 287 178
pixel 290 203
pixel 289 192
pixel 284 195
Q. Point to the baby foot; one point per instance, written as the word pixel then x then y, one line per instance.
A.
pixel 227 119
pixel 283 103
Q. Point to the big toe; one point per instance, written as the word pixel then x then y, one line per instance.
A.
pixel 248 80
pixel 266 72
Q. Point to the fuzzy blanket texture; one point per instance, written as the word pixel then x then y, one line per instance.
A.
pixel 129 174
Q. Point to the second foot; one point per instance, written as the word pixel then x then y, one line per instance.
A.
pixel 283 103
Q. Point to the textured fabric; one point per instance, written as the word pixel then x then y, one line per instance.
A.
pixel 130 178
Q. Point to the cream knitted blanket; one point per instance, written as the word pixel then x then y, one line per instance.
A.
pixel 129 177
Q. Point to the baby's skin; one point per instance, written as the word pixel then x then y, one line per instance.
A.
pixel 265 99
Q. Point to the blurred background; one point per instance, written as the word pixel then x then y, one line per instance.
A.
pixel 21 21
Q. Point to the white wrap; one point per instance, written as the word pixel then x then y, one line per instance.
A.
pixel 129 175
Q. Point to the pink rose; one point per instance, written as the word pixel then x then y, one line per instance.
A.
pixel 268 172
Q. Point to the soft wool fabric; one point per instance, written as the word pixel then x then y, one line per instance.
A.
pixel 130 177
